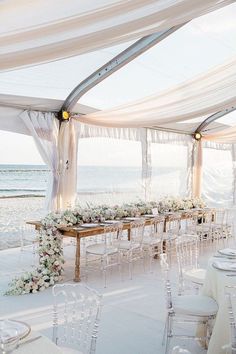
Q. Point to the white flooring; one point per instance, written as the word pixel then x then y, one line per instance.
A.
pixel 133 312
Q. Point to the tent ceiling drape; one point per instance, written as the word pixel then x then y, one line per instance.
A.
pixel 42 31
pixel 11 107
pixel 204 95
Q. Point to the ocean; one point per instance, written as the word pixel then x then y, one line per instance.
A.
pixel 31 180
pixel 120 182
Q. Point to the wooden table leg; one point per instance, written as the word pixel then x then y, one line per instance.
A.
pixel 77 260
pixel 129 232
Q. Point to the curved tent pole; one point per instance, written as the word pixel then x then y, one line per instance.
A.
pixel 213 118
pixel 112 66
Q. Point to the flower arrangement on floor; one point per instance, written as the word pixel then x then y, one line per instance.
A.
pixel 50 249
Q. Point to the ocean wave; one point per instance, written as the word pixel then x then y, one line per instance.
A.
pixel 21 190
pixel 22 196
pixel 23 170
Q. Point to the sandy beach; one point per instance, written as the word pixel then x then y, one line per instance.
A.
pixel 14 212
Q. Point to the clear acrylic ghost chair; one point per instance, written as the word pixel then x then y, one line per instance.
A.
pixel 153 238
pixel 107 250
pixel 76 317
pixel 230 293
pixel 204 228
pixel 218 226
pixel 189 222
pixel 132 249
pixel 195 309
pixel 172 231
pixel 187 257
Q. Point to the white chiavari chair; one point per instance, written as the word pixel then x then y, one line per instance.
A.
pixel 76 317
pixel 196 309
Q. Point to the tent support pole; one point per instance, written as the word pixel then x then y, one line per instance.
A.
pixel 214 117
pixel 113 65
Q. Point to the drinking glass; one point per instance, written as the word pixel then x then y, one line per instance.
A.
pixel 8 340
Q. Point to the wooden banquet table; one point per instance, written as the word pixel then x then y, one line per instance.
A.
pixel 79 232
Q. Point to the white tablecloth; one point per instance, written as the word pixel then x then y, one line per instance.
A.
pixel 214 286
pixel 42 345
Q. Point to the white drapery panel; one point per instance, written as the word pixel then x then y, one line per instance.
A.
pixel 42 31
pixel 197 168
pixel 204 95
pixel 44 128
pixel 58 149
pixel 89 131
pixel 68 146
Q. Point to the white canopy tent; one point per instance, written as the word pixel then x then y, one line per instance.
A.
pixel 89 26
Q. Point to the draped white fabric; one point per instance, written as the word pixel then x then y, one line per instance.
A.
pixel 206 94
pixel 33 32
pixel 68 146
pixel 44 128
pixel 58 149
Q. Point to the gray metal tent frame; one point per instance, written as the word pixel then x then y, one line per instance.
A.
pixel 122 59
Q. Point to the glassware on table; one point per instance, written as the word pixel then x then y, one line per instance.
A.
pixel 9 339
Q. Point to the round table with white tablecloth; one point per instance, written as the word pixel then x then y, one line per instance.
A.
pixel 214 286
pixel 42 345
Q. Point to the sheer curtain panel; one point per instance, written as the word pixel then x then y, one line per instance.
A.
pixel 44 128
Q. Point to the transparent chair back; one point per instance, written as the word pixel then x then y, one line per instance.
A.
pixel 191 222
pixel 205 225
pixel 219 216
pixel 173 224
pixel 157 228
pixel 187 252
pixel 137 231
pixel 111 237
pixel 76 314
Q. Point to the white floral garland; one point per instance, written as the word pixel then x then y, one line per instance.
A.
pixel 50 249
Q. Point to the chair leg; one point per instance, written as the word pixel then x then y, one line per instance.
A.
pixel 130 256
pixel 168 333
pixel 86 267
pixel 165 331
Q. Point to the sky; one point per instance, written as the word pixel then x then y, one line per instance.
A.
pixel 198 46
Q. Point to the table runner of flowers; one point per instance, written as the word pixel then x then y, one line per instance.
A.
pixel 50 250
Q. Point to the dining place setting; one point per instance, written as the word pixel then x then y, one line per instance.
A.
pixel 17 337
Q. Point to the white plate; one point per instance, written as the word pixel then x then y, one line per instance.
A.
pixel 89 225
pixel 228 252
pixel 225 266
pixel 111 221
pixel 132 219
pixel 150 215
pixel 23 329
